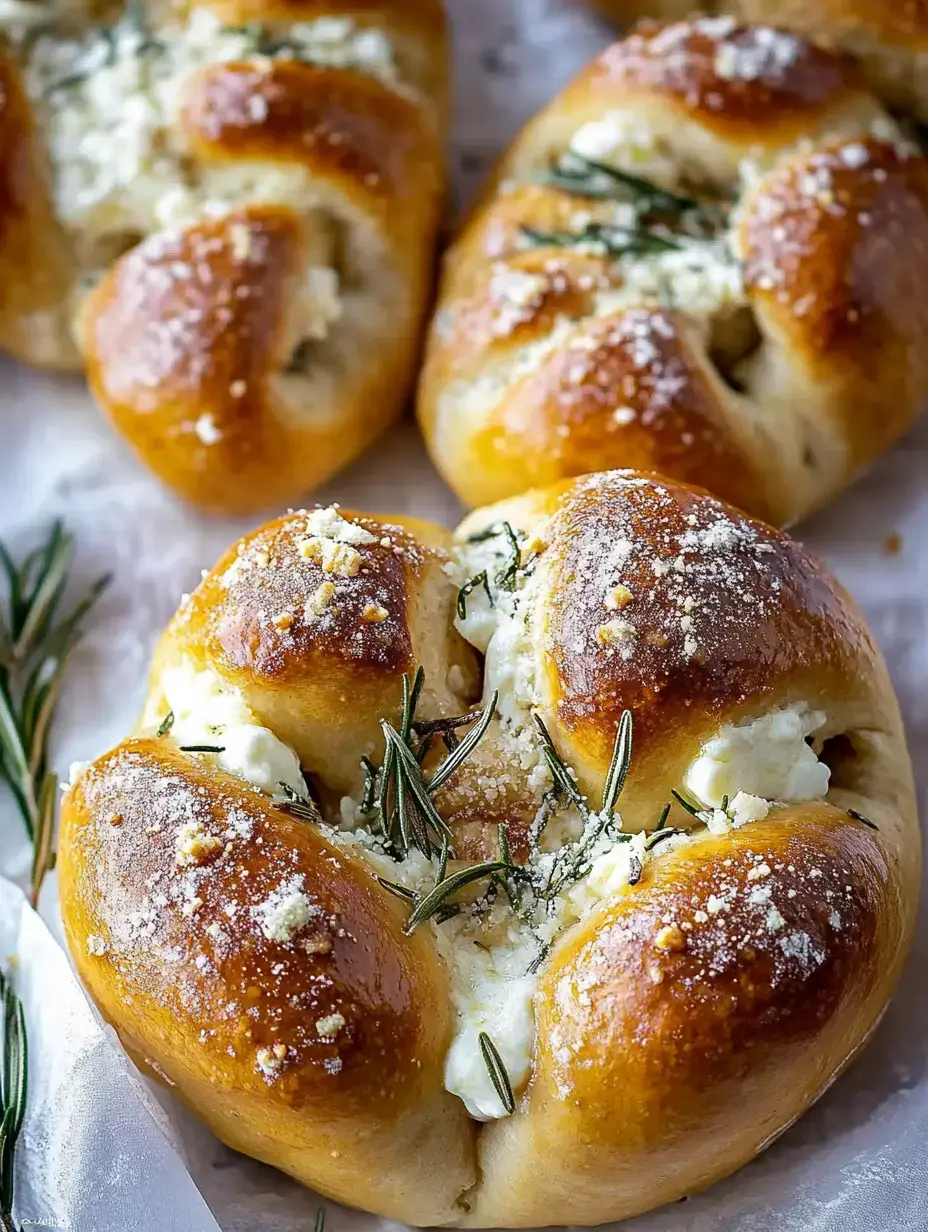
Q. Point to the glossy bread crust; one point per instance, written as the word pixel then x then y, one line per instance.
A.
pixel 890 40
pixel 247 357
pixel 766 375
pixel 680 1025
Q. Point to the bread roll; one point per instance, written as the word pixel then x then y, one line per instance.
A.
pixel 889 40
pixel 679 827
pixel 226 214
pixel 703 258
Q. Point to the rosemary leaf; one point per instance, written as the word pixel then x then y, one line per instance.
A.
pixel 294 805
pixel 478 580
pixel 692 809
pixel 863 820
pixel 580 176
pixel 497 1071
pixel 618 768
pixel 428 906
pixel 410 702
pixel 412 778
pixel 202 748
pixel 43 842
pixel 369 794
pixel 320 1220
pixel 563 779
pixel 659 836
pixel 465 747
pixel 13 1089
pixel 662 820
pixel 610 240
pixel 166 724
pixel 35 642
pixel 507 577
pixel 400 891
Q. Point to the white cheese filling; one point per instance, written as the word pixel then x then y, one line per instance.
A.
pixel 767 757
pixel 209 712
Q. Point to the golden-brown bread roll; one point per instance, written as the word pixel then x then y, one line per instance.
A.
pixel 890 40
pixel 226 213
pixel 610 1009
pixel 703 258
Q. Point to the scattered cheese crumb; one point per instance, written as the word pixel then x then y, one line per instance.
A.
pixel 617 632
pixel 330 1026
pixel 270 1060
pixel 618 597
pixel 285 912
pixel 194 845
pixel 334 557
pixel 283 620
pixel 670 937
pixel 321 597
pixel 95 944
pixel 375 613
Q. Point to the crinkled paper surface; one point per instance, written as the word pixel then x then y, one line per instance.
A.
pixel 96 1158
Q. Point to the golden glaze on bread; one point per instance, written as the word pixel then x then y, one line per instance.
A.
pixel 680 1024
pixel 249 351
pixel 889 39
pixel 769 381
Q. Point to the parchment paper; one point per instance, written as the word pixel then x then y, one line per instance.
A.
pixel 96 1157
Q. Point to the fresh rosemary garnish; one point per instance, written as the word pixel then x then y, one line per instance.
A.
pixel 660 216
pixel 585 177
pixel 478 580
pixel 400 792
pixel 13 1093
pixel 166 724
pixel 34 649
pixel 202 748
pixel 611 241
pixel 574 860
pixel 694 810
pixel 497 1071
pixel 863 820
pixel 436 897
pixel 506 578
pixel 320 1220
pixel 295 805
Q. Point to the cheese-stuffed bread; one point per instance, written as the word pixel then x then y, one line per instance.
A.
pixel 704 257
pixel 226 214
pixel 537 875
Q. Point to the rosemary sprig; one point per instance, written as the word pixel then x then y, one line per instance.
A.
pixel 35 643
pixel 574 860
pixel 497 1071
pixel 585 177
pixel 659 214
pixel 437 896
pixel 13 1093
pixel 611 241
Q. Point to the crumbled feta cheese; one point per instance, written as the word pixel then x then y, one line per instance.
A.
pixel 285 912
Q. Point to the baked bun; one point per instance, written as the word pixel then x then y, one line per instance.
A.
pixel 500 975
pixel 890 40
pixel 703 258
pixel 226 214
